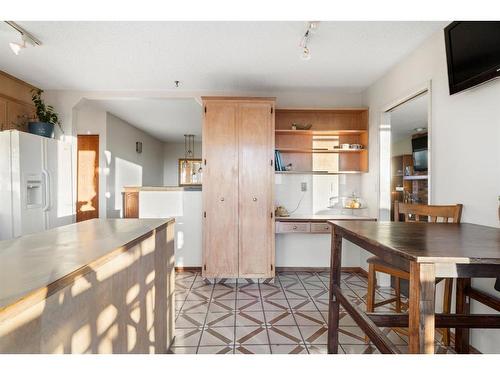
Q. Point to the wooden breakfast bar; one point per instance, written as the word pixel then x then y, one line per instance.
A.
pixel 98 286
pixel 427 251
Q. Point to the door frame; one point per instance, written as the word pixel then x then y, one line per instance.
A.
pixel 425 88
pixel 96 172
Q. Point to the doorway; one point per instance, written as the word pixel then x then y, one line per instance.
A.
pixel 87 202
pixel 405 171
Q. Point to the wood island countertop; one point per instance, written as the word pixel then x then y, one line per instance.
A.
pixel 33 266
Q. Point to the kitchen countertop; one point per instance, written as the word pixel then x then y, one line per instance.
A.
pixel 133 189
pixel 33 264
pixel 322 218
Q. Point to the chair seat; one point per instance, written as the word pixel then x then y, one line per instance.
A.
pixel 381 263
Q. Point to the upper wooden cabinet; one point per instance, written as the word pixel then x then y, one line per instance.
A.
pixel 238 170
pixel 16 108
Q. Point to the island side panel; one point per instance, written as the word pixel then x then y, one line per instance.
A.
pixel 122 306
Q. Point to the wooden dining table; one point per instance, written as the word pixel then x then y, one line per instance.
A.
pixel 429 252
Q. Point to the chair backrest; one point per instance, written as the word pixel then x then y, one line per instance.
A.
pixel 424 212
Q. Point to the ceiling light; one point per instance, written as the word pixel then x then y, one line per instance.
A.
pixel 17 47
pixel 26 37
pixel 420 129
pixel 306 53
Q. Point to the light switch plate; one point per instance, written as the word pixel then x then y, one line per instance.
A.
pixel 303 186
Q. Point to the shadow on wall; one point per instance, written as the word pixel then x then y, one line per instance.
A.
pixel 117 307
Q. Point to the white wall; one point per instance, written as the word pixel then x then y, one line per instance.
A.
pixel 127 167
pixel 173 151
pixel 464 141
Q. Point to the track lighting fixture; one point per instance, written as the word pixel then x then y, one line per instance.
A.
pixel 306 53
pixel 26 38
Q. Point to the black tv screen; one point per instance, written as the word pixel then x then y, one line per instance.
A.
pixel 472 52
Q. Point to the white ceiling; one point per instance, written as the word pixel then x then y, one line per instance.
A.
pixel 407 117
pixel 164 119
pixel 253 56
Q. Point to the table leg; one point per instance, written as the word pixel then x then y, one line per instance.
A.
pixel 421 309
pixel 462 307
pixel 334 304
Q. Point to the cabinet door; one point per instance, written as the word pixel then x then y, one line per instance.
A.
pixel 220 190
pixel 256 224
pixel 3 114
pixel 18 115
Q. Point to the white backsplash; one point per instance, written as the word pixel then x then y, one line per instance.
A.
pixel 319 190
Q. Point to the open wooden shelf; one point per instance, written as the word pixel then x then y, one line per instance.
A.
pixel 318 172
pixel 332 133
pixel 415 177
pixel 318 150
pixel 307 150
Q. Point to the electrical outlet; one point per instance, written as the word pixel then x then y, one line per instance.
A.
pixel 303 186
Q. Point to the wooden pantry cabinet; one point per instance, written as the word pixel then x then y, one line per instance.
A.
pixel 238 187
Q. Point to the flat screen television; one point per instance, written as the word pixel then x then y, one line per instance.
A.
pixel 419 148
pixel 472 53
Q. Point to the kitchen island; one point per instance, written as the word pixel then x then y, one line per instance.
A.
pixel 98 286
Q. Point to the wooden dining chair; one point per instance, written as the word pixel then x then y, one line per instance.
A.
pixel 412 213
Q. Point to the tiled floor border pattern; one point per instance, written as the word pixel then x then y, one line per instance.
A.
pixel 287 315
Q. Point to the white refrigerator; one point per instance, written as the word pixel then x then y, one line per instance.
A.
pixel 36 191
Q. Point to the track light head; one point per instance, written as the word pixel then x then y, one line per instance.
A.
pixel 17 47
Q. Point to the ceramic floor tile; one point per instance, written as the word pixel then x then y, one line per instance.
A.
pixel 288 349
pixel 216 349
pixel 197 295
pixel 321 349
pixel 284 335
pixel 292 285
pixel 303 305
pixel 309 318
pixel 190 320
pixel 252 349
pixel 314 285
pixel 270 286
pixel 296 294
pixel 249 305
pixel 321 304
pixel 280 318
pixel 275 305
pixel 187 337
pixel 273 294
pixel 251 336
pixel 359 349
pixel 222 306
pixel 180 296
pixel 220 319
pixel 249 318
pixel 241 316
pixel 248 294
pixel 223 295
pixel 318 294
pixel 315 335
pixel 195 307
pixel 183 350
pixel 213 336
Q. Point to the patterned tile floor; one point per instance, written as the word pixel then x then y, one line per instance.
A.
pixel 286 315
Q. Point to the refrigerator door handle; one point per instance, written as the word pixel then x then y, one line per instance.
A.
pixel 46 176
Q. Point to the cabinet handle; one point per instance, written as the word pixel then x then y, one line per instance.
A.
pixel 222 199
pixel 254 199
pixel 294 227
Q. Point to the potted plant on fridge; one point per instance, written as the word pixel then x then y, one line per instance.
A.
pixel 46 115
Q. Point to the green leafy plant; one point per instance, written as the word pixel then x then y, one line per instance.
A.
pixel 45 113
